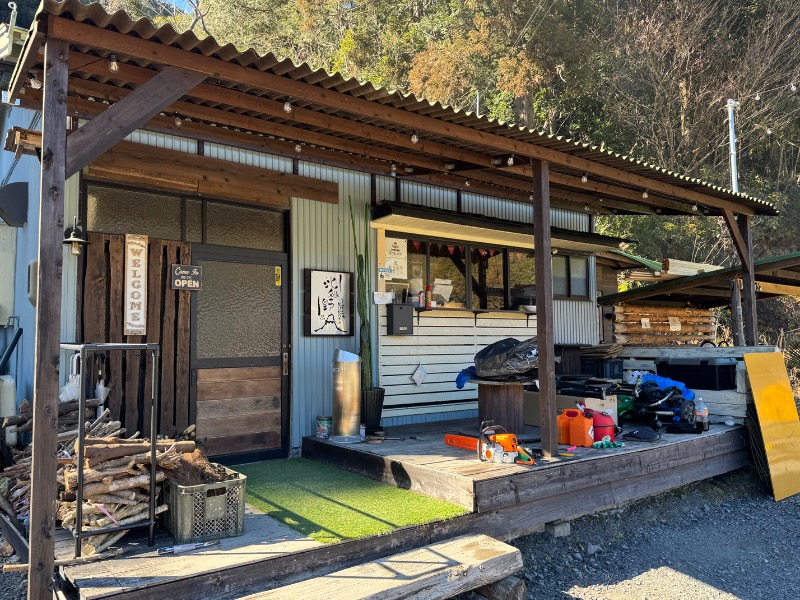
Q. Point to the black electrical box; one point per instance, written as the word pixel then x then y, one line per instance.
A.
pixel 400 319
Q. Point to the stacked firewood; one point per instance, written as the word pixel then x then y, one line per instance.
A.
pixel 19 473
pixel 116 485
pixel 116 476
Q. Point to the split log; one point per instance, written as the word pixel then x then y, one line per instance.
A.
pixel 15 420
pixel 649 340
pixel 115 499
pixel 664 328
pixel 66 562
pixel 66 407
pixel 96 453
pixel 92 475
pixel 621 309
pixel 120 484
pixel 110 541
pixel 6 507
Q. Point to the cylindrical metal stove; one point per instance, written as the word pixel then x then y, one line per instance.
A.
pixel 346 397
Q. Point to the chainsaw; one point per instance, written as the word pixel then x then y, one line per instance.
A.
pixel 493 444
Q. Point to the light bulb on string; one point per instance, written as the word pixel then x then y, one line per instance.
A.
pixel 287 107
pixel 177 120
pixel 510 161
pixel 584 178
pixel 467 183
pixel 415 137
pixel 298 148
pixel 757 96
pixel 113 63
pixel 695 208
pixel 645 195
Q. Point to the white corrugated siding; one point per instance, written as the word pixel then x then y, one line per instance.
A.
pixel 428 195
pixel 163 140
pixel 322 238
pixel 568 219
pixel 248 157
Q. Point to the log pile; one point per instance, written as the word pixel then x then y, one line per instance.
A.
pixel 656 325
pixel 116 476
pixel 116 485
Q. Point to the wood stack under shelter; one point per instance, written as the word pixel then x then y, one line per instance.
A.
pixel 657 325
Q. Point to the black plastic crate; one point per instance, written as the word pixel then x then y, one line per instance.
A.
pixel 604 368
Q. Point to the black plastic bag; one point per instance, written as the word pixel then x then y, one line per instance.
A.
pixel 506 359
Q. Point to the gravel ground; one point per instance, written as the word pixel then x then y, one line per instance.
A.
pixel 722 538
pixel 13 586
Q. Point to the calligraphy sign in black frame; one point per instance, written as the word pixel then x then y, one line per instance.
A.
pixel 309 294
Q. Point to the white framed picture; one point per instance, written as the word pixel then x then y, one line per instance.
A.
pixel 328 303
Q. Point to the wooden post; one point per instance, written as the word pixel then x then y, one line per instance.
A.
pixel 737 326
pixel 544 306
pixel 748 284
pixel 48 322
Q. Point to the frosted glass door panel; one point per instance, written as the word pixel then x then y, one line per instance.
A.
pixel 238 311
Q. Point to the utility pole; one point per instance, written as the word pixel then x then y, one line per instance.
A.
pixel 732 106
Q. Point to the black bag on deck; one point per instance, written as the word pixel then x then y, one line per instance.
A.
pixel 507 358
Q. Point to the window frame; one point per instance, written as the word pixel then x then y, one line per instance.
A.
pixel 469 246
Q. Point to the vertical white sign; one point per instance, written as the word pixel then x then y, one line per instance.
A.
pixel 396 258
pixel 135 284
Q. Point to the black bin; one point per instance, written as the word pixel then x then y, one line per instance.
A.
pixel 701 373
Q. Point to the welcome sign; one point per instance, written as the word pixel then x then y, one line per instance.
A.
pixel 135 284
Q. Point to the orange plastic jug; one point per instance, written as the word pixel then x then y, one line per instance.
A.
pixel 581 431
pixel 562 425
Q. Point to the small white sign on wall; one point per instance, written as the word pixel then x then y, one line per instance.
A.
pixel 396 258
pixel 135 284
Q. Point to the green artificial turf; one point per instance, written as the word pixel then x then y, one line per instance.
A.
pixel 330 505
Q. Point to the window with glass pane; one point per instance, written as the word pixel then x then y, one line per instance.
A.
pixel 194 221
pixel 579 276
pixel 448 265
pixel 488 278
pixel 522 278
pixel 115 210
pixel 243 227
pixel 248 327
pixel 416 272
pixel 560 276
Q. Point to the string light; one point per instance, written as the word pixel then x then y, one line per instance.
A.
pixel 584 178
pixel 530 197
pixel 113 63
pixel 287 107
pixel 177 120
pixel 645 195
pixel 695 208
pixel 415 137
pixel 394 168
pixel 35 83
pixel 467 183
pixel 298 148
pixel 510 161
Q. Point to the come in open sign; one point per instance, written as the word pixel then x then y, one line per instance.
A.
pixel 186 277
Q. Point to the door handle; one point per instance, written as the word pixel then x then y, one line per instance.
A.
pixel 285 363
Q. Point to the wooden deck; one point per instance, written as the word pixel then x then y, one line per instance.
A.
pixel 506 501
pixel 587 481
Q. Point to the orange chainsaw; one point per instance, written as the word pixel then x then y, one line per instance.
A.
pixel 493 444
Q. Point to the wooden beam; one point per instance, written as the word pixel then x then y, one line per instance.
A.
pixel 127 115
pixel 48 323
pixel 779 289
pixel 749 314
pixel 28 57
pixel 154 52
pixel 545 332
pixel 738 240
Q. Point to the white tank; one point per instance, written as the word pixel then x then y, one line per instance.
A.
pixel 8 404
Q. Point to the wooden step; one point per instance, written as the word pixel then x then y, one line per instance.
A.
pixel 440 570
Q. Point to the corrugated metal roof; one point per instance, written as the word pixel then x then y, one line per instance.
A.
pixel 94 14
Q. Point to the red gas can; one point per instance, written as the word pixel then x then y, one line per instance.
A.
pixel 603 426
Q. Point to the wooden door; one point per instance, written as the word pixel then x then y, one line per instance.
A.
pixel 240 354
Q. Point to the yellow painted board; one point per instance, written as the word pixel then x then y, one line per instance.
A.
pixel 777 419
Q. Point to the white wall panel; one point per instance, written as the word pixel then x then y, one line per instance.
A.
pixel 428 195
pixel 248 157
